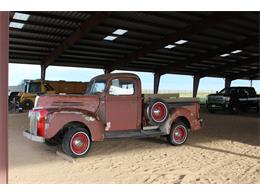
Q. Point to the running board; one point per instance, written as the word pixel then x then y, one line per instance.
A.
pixel 133 134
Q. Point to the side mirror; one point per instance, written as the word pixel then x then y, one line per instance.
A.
pixel 216 91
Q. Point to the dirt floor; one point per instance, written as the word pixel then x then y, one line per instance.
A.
pixel 226 150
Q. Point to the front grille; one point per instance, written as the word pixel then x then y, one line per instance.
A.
pixel 216 99
pixel 33 123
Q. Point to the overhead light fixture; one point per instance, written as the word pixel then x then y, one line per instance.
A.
pixel 120 32
pixel 180 42
pixel 20 16
pixel 236 51
pixel 225 55
pixel 16 25
pixel 169 46
pixel 110 38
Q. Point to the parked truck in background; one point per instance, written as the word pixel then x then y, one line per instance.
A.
pixel 14 90
pixel 233 99
pixel 113 107
pixel 33 88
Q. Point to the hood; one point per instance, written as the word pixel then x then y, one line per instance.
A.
pixel 88 103
pixel 217 94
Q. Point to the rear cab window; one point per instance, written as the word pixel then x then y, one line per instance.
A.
pixel 121 87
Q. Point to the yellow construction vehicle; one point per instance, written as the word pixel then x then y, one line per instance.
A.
pixel 25 100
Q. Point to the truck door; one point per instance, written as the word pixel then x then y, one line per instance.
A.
pixel 122 105
pixel 243 98
pixel 252 98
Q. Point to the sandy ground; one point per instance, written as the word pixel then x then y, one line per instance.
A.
pixel 226 150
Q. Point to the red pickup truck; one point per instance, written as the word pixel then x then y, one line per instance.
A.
pixel 113 107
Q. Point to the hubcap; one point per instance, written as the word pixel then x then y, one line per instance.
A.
pixel 179 134
pixel 79 143
pixel 159 112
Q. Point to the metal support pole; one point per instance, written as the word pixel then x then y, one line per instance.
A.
pixel 43 72
pixel 251 83
pixel 4 59
pixel 196 81
pixel 228 82
pixel 156 82
pixel 107 70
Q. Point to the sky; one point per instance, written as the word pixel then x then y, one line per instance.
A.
pixel 18 72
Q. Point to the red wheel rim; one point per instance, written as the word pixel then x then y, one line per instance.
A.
pixel 79 143
pixel 159 112
pixel 179 134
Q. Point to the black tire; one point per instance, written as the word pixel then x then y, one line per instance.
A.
pixel 67 142
pixel 257 108
pixel 27 104
pixel 12 96
pixel 234 109
pixel 211 110
pixel 163 108
pixel 182 130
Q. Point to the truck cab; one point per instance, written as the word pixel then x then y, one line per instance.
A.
pixel 112 107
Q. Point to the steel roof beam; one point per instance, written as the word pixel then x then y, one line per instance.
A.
pixel 194 28
pixel 247 74
pixel 230 66
pixel 216 53
pixel 84 28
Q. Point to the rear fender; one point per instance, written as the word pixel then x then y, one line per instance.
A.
pixel 57 120
pixel 174 115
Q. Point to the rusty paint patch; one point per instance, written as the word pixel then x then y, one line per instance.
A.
pixel 89 118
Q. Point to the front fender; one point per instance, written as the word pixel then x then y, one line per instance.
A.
pixel 57 120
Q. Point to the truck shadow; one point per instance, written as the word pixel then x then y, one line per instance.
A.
pixel 219 127
pixel 224 151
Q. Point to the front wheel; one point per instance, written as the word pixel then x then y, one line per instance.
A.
pixel 178 134
pixel 27 104
pixel 76 142
pixel 212 110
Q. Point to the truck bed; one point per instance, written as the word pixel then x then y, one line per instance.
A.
pixel 170 98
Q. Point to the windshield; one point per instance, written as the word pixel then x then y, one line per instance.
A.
pixel 223 91
pixel 34 88
pixel 96 86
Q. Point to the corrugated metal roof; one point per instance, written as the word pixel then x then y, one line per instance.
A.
pixel 142 47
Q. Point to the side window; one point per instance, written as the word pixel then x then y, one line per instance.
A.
pixel 122 87
pixel 252 92
pixel 243 93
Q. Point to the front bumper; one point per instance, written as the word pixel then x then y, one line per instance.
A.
pixel 32 137
pixel 216 106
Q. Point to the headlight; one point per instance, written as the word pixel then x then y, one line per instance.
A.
pixel 227 98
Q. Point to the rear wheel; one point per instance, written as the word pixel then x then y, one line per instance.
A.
pixel 178 134
pixel 76 142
